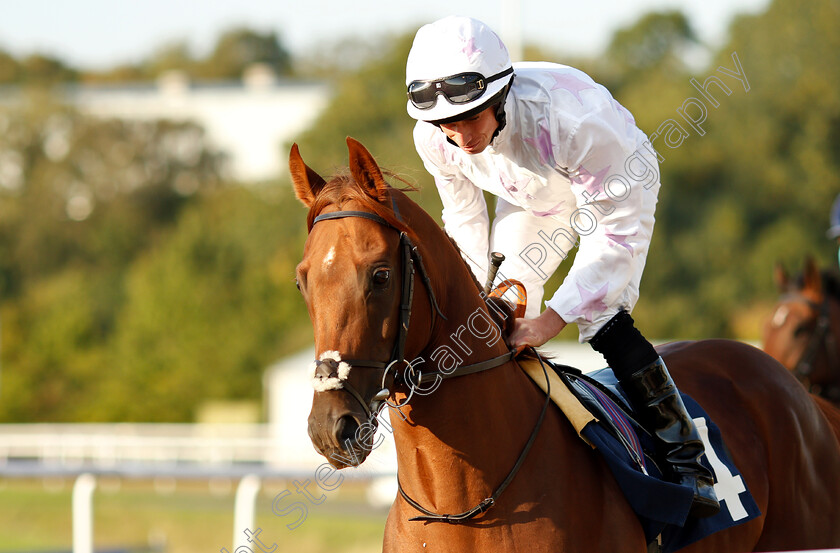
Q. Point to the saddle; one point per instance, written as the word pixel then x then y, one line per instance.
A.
pixel 596 407
pixel 593 398
pixel 594 404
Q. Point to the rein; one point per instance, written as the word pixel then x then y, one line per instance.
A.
pixel 411 261
pixel 487 503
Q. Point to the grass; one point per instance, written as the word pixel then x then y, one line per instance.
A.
pixel 191 518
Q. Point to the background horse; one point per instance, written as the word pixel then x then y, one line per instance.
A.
pixel 457 439
pixel 804 331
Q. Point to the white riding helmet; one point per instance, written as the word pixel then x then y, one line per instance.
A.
pixel 454 65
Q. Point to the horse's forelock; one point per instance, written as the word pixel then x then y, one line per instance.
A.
pixel 342 189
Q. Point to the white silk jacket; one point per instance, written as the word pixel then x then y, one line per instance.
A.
pixel 569 168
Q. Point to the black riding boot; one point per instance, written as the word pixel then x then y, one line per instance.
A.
pixel 654 394
pixel 645 378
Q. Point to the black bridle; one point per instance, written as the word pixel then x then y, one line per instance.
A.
pixel 411 262
pixel 821 338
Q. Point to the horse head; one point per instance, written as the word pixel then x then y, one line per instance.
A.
pixel 802 331
pixel 357 279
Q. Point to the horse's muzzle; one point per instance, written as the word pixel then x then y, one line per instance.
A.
pixel 343 436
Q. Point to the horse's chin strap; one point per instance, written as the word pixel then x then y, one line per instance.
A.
pixel 487 503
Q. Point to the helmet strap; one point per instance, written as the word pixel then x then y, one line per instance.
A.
pixel 501 115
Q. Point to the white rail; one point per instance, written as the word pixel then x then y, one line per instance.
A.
pixel 248 452
pixel 165 450
pixel 112 444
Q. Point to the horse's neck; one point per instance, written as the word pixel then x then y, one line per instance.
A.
pixel 460 440
pixel 465 435
pixel 460 423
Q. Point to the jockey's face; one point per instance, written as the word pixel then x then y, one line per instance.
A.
pixel 474 133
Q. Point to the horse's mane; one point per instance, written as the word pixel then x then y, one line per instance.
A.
pixel 464 261
pixel 503 322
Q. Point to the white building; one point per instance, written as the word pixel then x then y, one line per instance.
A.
pixel 249 120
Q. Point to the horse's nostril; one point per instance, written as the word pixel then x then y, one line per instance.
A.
pixel 345 429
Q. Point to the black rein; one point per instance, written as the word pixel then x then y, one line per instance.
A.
pixel 821 337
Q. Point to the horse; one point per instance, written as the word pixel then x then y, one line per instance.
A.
pixel 804 331
pixel 465 432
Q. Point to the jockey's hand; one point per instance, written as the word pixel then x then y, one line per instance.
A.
pixel 536 332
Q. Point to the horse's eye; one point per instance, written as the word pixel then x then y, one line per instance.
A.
pixel 800 329
pixel 381 277
pixel 297 283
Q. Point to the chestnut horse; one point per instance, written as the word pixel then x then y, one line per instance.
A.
pixel 804 331
pixel 457 439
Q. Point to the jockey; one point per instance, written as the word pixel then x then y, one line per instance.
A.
pixel 568 167
pixel 834 230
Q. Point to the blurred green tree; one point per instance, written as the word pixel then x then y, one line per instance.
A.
pixel 9 69
pixel 755 189
pixel 41 69
pixel 174 56
pixel 80 198
pixel 657 40
pixel 237 49
pixel 211 308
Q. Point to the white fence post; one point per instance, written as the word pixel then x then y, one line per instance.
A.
pixel 244 507
pixel 83 513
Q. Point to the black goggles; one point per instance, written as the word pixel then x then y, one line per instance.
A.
pixel 457 89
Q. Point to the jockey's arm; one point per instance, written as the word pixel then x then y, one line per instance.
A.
pixel 615 181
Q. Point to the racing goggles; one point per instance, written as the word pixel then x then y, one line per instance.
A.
pixel 457 89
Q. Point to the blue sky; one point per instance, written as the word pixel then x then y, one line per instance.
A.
pixel 101 33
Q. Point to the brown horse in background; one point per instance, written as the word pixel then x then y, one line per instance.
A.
pixel 457 439
pixel 804 331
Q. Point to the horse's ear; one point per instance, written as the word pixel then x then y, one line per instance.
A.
pixel 366 172
pixel 781 277
pixel 307 182
pixel 811 278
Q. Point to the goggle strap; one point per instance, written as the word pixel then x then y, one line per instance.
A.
pixel 498 76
